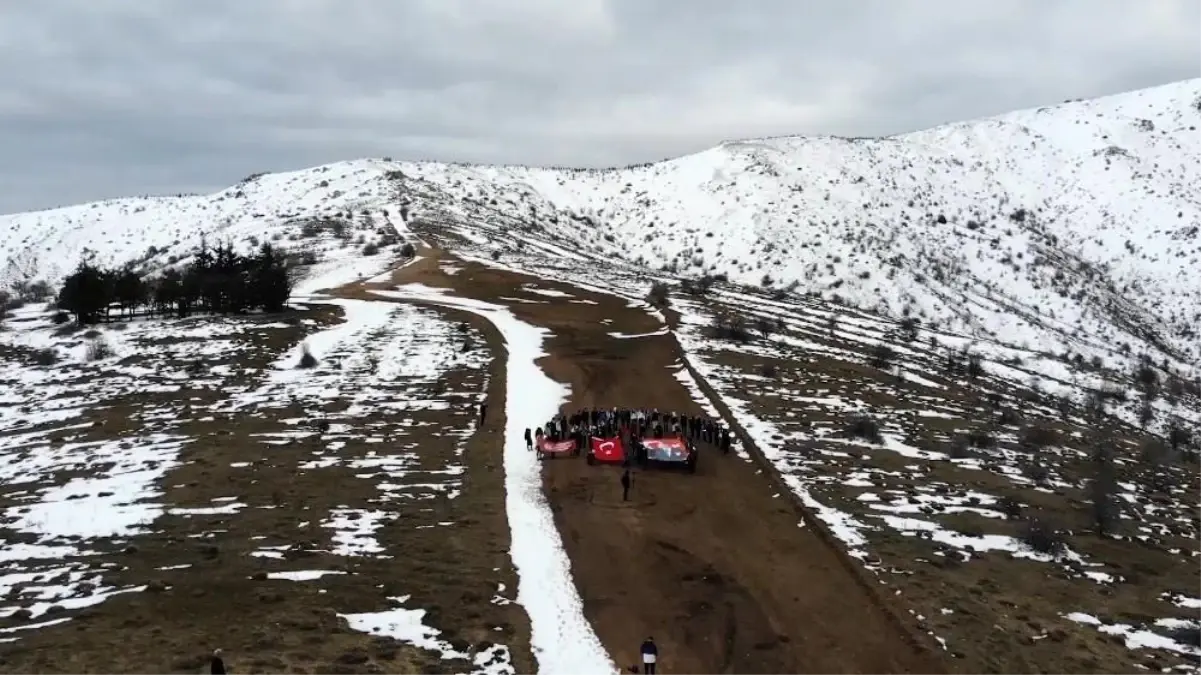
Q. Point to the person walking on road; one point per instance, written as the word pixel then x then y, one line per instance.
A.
pixel 626 480
pixel 650 656
pixel 483 412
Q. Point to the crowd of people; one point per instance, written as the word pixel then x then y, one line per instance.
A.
pixel 631 426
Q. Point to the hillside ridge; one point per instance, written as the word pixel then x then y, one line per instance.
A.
pixel 1069 229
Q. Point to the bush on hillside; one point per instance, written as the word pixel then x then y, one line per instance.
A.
pixel 408 251
pixel 45 356
pixel 1008 417
pixel 864 426
pixel 882 356
pixel 307 360
pixel 980 438
pixel 730 327
pixel 1103 490
pixel 1011 507
pixel 1043 537
pixel 98 350
pixel 699 286
pixel 659 295
pixel 766 327
pixel 1038 437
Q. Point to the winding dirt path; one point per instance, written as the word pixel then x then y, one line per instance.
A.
pixel 716 566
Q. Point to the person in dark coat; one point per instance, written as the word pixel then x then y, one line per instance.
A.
pixel 217 664
pixel 529 439
pixel 625 485
pixel 650 656
pixel 483 412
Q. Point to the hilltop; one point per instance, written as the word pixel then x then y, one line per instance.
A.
pixel 1067 229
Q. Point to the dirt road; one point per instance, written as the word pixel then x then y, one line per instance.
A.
pixel 715 566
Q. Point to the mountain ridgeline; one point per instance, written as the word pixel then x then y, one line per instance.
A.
pixel 1071 229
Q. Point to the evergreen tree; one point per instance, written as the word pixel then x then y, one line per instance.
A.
pixel 271 279
pixel 129 291
pixel 217 279
pixel 86 294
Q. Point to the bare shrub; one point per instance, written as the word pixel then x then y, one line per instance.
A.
pixel 37 291
pixel 408 251
pixel 1179 436
pixel 975 366
pixel 371 248
pixel 658 295
pixel 1147 378
pixel 1038 437
pixel 730 327
pixel 769 370
pixel 766 326
pixel 1043 537
pixel 961 449
pixel 1011 507
pixel 882 356
pixel 46 356
pixel 981 438
pixel 1039 473
pixel 307 360
pixel 698 287
pixel 864 426
pixel 1154 453
pixel 98 350
pixel 1102 491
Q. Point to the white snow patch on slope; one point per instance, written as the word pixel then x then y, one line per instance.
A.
pixel 562 639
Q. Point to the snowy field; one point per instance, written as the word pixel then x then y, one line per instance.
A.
pixel 330 477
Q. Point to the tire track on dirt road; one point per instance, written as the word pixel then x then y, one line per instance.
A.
pixel 714 565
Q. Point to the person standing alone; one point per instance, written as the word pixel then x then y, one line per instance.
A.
pixel 483 413
pixel 650 656
pixel 625 485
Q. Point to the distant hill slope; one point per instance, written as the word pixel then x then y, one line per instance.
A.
pixel 1071 228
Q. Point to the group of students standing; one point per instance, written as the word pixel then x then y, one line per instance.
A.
pixel 630 425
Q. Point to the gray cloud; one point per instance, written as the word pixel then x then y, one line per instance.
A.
pixel 134 97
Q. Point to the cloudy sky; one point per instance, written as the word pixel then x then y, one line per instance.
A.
pixel 121 97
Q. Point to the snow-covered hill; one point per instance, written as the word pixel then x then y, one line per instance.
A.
pixel 1071 229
